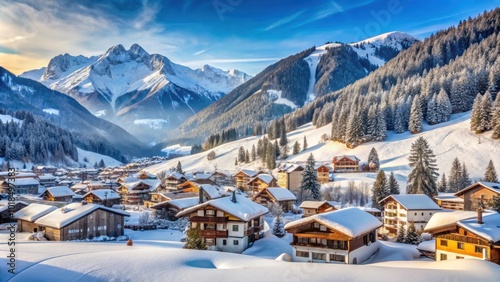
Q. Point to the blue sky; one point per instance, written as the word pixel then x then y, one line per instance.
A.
pixel 243 34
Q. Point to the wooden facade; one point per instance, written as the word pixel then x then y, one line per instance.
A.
pixel 316 207
pixel 265 198
pixel 345 164
pixel 290 177
pixel 257 183
pixel 242 177
pixel 323 174
pixel 6 210
pixel 479 192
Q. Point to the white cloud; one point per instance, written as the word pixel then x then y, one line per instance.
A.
pixel 284 21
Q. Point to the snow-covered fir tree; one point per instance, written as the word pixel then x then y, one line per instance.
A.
pixel 495 204
pixel 412 236
pixel 241 155
pixel 485 113
pixel 432 111
pixel 495 119
pixel 443 185
pixel 178 169
pixel 304 144
pixel 354 130
pixel 393 185
pixel 309 186
pixel 399 119
pixel 279 226
pixel 283 139
pixel 400 237
pixel 373 157
pixel 422 178
pixel 415 124
pixel 254 153
pixel 271 156
pixel 284 152
pixel 465 179
pixel 455 176
pixel 490 174
pixel 296 148
pixel 475 116
pixel 443 105
pixel 380 189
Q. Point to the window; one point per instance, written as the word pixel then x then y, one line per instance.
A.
pixel 210 212
pixel 372 237
pixel 459 257
pixel 479 249
pixel 235 228
pixel 460 245
pixel 415 213
pixel 312 240
pixel 365 240
pixel 302 254
pixel 316 225
pixel 236 242
pixel 319 256
pixel 302 240
pixel 322 228
pixel 224 242
pixel 444 256
pixel 430 213
pixel 443 243
pixel 323 242
pixel 337 258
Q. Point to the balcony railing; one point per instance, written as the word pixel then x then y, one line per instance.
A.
pixel 214 233
pixel 461 238
pixel 252 230
pixel 209 219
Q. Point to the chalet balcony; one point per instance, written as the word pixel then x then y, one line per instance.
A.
pixel 208 219
pixel 252 230
pixel 214 233
pixel 461 238
pixel 330 245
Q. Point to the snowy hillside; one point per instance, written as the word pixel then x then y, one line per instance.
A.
pixel 447 140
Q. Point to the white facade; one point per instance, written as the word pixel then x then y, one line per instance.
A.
pixel 451 255
pixel 396 215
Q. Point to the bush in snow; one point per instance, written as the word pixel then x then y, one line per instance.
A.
pixel 412 237
pixel 194 240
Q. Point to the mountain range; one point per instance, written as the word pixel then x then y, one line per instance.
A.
pixel 146 94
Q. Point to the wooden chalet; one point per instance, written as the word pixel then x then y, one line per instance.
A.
pixel 39 170
pixel 400 210
pixel 97 185
pixel 345 163
pixel 448 201
pixel 344 236
pixel 279 195
pixel 47 180
pixel 171 207
pixel 21 186
pixel 27 216
pixel 466 235
pixel 106 197
pixel 260 182
pixel 7 208
pixel 316 207
pixel 242 177
pixel 220 178
pixel 322 173
pixel 173 180
pixel 134 193
pixel 78 221
pixel 230 224
pixel 58 194
pixel 480 191
pixel 290 176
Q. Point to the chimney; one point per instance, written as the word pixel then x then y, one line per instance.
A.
pixel 234 197
pixel 480 215
pixel 200 195
pixel 84 203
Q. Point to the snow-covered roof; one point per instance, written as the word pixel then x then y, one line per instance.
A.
pixel 211 190
pixel 244 208
pixel 312 204
pixel 267 178
pixel 489 230
pixel 46 177
pixel 23 181
pixel 447 218
pixel 449 197
pixel 60 191
pixel 104 194
pixel 289 168
pixel 179 195
pixel 248 172
pixel 493 186
pixel 4 204
pixel 202 176
pixel 152 183
pixel 352 221
pixel 367 209
pixel 179 203
pixel 350 157
pixel 413 201
pixel 281 194
pixel 72 212
pixel 176 175
pixel 427 246
pixel 26 175
pixel 33 212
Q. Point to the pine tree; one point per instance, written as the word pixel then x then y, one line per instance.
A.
pixel 455 176
pixel 412 236
pixel 254 154
pixel 380 189
pixel 178 169
pixel 393 185
pixel 373 158
pixel 475 116
pixel 495 119
pixel 296 148
pixel 247 156
pixel 241 155
pixel 304 144
pixel 354 129
pixel 102 164
pixel 495 204
pixel 465 179
pixel 194 240
pixel 235 161
pixel 422 179
pixel 415 124
pixel 485 113
pixel 400 238
pixel 279 226
pixel 443 106
pixel 443 187
pixel 271 156
pixel 432 111
pixel 309 184
pixel 283 139
pixel 284 152
pixel 491 174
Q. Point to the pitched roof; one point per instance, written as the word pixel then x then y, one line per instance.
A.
pixel 60 191
pixel 176 175
pixel 4 204
pixel 449 197
pixel 212 191
pixel 23 181
pixel 267 178
pixel 281 194
pixel 493 186
pixel 447 218
pixel 46 177
pixel 248 172
pixel 33 212
pixel 289 168
pixel 180 204
pixel 70 213
pixel 104 194
pixel 414 201
pixel 312 204
pixel 489 230
pixel 244 208
pixel 352 221
pixel 350 157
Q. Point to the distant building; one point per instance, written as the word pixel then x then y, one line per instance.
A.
pixel 347 235
pixel 230 224
pixel 106 197
pixel 316 207
pixel 449 201
pixel 134 193
pixel 242 177
pixel 279 195
pixel 47 180
pixel 21 186
pixel 400 210
pixel 58 194
pixel 173 180
pixel 345 163
pixel 466 235
pixel 6 210
pixel 261 181
pixel 290 176
pixel 480 191
pixel 322 173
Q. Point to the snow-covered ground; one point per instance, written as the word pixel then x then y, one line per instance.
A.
pixel 447 140
pixel 275 95
pixel 51 111
pixel 152 123
pixel 95 158
pixel 158 256
pixel 177 149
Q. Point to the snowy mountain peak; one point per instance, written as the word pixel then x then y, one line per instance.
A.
pixel 136 51
pixel 63 63
pixel 395 39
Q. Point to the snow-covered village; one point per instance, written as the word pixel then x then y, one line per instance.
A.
pixel 243 141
